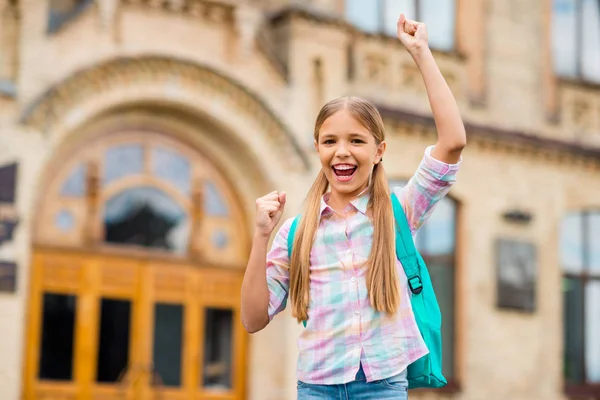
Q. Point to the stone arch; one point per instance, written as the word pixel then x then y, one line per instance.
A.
pixel 154 79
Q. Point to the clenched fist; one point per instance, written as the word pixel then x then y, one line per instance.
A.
pixel 269 209
pixel 412 34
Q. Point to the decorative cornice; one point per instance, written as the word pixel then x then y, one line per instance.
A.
pixel 508 140
pixel 310 13
pixel 199 80
pixel 214 10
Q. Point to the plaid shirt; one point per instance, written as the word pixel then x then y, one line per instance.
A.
pixel 343 330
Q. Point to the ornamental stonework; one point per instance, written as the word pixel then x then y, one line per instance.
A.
pixel 179 75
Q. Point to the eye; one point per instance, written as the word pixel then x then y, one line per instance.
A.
pixel 329 141
pixel 357 141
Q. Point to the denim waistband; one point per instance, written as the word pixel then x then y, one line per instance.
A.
pixel 360 376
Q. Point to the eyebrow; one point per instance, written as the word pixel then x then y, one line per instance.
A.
pixel 334 135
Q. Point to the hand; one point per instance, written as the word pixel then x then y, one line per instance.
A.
pixel 413 35
pixel 269 209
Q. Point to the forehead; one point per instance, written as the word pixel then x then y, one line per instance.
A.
pixel 342 122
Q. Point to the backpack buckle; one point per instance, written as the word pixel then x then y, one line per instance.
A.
pixel 415 284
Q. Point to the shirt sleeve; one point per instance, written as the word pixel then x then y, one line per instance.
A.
pixel 278 273
pixel 430 183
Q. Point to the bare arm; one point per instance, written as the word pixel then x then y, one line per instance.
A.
pixel 452 137
pixel 255 290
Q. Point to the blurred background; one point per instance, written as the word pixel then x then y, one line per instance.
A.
pixel 135 136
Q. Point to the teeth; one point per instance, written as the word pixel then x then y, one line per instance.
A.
pixel 344 167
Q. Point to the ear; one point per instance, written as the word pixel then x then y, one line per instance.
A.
pixel 316 146
pixel 379 153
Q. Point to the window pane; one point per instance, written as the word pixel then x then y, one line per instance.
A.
pixel 364 14
pixel 61 11
pixel 393 9
pixel 571 243
pixel 214 203
pixel 147 217
pixel 113 349
pixel 593 240
pixel 437 235
pixel 172 167
pixel 442 277
pixel 590 46
pixel 573 330
pixel 122 161
pixel 75 183
pixel 564 37
pixel 168 343
pixel 58 331
pixel 8 183
pixel 64 220
pixel 439 15
pixel 218 343
pixel 592 331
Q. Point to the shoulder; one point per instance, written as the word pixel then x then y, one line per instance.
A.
pixel 284 230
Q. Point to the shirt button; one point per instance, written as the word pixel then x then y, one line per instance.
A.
pixel 353 279
pixel 357 312
pixel 349 252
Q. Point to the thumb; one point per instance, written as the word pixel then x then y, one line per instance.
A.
pixel 402 20
pixel 282 199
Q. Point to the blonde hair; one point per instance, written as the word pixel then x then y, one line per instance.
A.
pixel 382 276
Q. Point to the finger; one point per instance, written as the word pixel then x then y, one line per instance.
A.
pixel 411 27
pixel 269 209
pixel 401 22
pixel 282 199
pixel 271 196
pixel 270 204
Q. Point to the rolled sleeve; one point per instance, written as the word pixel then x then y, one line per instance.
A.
pixel 278 274
pixel 430 183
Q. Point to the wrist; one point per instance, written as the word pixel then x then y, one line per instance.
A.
pixel 261 236
pixel 421 54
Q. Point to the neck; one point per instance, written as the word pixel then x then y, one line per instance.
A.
pixel 339 201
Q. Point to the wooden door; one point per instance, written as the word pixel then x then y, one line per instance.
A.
pixel 109 327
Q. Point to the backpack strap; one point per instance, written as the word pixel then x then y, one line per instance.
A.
pixel 290 243
pixel 291 235
pixel 405 248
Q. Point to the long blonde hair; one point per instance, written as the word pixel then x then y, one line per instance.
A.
pixel 382 277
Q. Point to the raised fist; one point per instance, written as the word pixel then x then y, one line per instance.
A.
pixel 269 209
pixel 412 34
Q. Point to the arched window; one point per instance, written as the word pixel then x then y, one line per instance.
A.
pixel 145 192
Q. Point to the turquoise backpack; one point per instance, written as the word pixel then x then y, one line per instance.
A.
pixel 426 372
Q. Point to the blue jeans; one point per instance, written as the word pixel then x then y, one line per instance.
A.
pixel 395 388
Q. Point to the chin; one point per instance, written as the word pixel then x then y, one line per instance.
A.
pixel 345 189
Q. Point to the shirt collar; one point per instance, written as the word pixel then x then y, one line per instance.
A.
pixel 360 203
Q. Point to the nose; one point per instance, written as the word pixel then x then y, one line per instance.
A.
pixel 342 149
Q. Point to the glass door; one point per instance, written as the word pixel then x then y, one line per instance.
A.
pixel 107 328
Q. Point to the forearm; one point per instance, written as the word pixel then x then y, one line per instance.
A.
pixel 255 292
pixel 451 131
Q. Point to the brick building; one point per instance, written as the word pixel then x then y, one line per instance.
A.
pixel 135 136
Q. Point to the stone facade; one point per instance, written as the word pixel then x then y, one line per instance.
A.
pixel 243 80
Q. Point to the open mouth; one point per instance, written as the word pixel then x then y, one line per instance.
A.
pixel 344 172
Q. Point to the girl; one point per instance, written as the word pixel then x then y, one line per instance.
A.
pixel 343 278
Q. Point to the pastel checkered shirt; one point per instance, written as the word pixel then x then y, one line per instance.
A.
pixel 343 331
